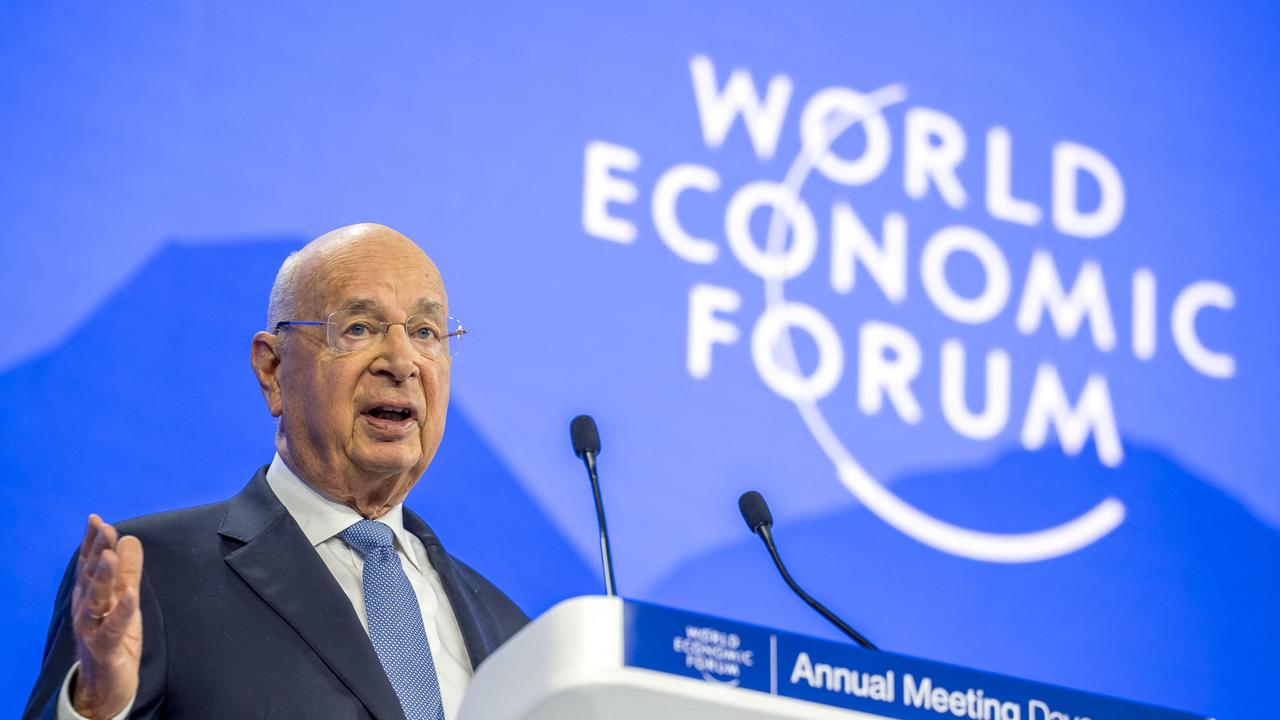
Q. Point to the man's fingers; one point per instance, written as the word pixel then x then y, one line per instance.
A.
pixel 129 568
pixel 92 539
pixel 105 598
pixel 103 539
pixel 116 623
pixel 99 597
pixel 109 535
pixel 90 532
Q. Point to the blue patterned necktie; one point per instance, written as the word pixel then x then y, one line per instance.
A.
pixel 395 622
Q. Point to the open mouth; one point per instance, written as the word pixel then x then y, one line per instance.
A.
pixel 387 412
pixel 390 417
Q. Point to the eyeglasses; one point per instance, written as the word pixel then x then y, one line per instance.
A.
pixel 356 330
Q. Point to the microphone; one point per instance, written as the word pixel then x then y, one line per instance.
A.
pixel 756 512
pixel 586 445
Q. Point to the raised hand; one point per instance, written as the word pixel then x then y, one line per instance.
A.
pixel 107 620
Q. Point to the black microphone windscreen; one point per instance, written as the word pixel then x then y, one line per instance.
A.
pixel 754 510
pixel 586 439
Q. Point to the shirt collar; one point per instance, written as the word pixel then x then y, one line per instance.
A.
pixel 322 518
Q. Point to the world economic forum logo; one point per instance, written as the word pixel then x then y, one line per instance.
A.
pixel 889 356
pixel 717 656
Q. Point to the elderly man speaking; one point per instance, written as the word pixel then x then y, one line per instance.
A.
pixel 313 593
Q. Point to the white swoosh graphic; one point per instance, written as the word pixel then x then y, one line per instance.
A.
pixel 911 521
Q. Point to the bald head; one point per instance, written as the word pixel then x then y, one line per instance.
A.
pixel 305 271
pixel 358 422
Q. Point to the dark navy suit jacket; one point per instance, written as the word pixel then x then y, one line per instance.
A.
pixel 242 619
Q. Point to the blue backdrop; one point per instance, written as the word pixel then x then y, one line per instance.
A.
pixel 977 295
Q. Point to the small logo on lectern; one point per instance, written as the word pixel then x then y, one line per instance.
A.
pixel 718 656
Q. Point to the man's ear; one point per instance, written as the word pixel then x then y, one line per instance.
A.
pixel 264 355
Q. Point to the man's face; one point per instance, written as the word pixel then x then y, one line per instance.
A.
pixel 334 405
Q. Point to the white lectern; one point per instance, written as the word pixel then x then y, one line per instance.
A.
pixel 605 658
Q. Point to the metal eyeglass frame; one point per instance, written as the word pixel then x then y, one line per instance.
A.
pixel 386 327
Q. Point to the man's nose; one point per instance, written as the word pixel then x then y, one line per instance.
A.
pixel 397 357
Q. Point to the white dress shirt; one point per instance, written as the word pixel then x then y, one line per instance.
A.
pixel 321 519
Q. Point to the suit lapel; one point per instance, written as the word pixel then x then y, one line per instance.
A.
pixel 283 568
pixel 474 619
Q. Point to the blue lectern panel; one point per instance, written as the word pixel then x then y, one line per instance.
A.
pixel 720 651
